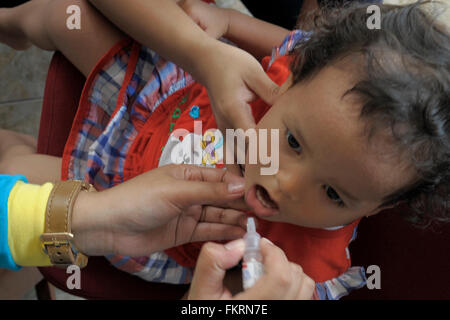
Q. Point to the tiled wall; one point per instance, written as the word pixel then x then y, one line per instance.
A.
pixel 22 81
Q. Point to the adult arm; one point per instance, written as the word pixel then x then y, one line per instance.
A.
pixel 162 26
pixel 232 76
pixel 157 210
pixel 253 35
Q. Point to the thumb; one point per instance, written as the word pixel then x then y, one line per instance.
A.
pixel 211 267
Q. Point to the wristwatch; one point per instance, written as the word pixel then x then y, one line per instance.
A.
pixel 57 239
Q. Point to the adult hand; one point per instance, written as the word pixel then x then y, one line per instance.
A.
pixel 162 208
pixel 234 78
pixel 281 280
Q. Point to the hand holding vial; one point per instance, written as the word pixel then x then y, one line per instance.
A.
pixel 279 278
pixel 252 267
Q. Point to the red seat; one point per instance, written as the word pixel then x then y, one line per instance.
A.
pixel 414 264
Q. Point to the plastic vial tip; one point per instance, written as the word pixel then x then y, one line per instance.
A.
pixel 251 238
pixel 252 268
pixel 251 228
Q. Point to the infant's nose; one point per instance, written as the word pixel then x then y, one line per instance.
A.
pixel 289 184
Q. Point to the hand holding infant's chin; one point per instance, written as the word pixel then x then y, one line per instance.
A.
pixel 160 209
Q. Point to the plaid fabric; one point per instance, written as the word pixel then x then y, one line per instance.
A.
pixel 288 44
pixel 334 289
pixel 109 127
pixel 127 86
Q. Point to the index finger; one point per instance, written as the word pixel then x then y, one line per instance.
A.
pixel 196 173
pixel 228 177
pixel 240 117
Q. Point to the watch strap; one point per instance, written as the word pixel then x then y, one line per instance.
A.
pixel 57 237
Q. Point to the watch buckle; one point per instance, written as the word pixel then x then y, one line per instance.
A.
pixel 55 239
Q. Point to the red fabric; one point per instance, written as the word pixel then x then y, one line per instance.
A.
pixel 321 253
pixel 172 114
pixel 414 264
pixel 83 110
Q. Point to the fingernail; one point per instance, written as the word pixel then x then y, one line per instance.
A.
pixel 238 244
pixel 268 241
pixel 236 187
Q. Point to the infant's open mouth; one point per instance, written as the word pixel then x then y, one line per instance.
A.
pixel 264 197
pixel 260 201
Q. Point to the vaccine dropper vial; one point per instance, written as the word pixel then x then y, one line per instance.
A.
pixel 252 267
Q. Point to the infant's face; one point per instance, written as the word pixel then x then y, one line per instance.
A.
pixel 328 173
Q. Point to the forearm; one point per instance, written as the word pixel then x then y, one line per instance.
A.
pixel 91 222
pixel 161 25
pixel 253 35
pixel 22 222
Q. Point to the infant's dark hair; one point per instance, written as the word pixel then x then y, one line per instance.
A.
pixel 404 87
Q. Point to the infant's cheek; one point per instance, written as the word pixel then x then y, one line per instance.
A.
pixel 249 176
pixel 288 215
pixel 248 182
pixel 277 217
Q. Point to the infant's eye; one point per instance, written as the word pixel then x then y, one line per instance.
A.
pixel 293 143
pixel 333 195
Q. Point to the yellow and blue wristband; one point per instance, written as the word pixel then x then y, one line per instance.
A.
pixel 6 185
pixel 22 219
